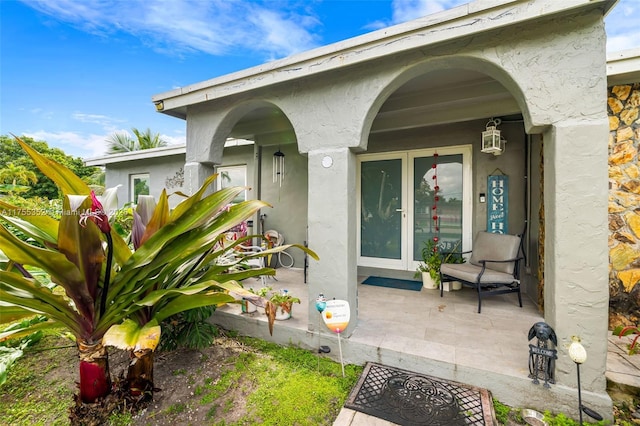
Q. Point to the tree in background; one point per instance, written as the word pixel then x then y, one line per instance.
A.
pixel 123 142
pixel 16 176
pixel 11 152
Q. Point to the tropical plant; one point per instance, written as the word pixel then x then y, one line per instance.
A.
pixel 283 301
pixel 123 142
pixel 12 152
pixel 107 286
pixel 433 257
pixel 621 331
pixel 16 175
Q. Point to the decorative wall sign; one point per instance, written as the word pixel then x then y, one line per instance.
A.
pixel 176 181
pixel 498 204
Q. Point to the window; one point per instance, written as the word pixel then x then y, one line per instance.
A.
pixel 139 186
pixel 232 176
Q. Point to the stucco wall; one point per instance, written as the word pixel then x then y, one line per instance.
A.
pixel 166 172
pixel 288 214
pixel 624 204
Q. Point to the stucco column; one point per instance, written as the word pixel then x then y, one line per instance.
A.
pixel 194 175
pixel 576 252
pixel 203 152
pixel 332 229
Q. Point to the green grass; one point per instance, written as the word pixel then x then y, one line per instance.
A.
pixel 30 395
pixel 285 385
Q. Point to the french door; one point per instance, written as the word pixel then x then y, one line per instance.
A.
pixel 396 200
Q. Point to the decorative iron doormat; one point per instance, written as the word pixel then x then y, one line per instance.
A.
pixel 408 398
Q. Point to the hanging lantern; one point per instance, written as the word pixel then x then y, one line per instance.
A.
pixel 492 142
pixel 278 167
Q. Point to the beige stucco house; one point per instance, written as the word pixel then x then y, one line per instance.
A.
pixel 360 123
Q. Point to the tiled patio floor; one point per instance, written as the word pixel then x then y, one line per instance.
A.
pixel 422 332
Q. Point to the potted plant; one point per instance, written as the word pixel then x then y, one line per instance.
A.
pixel 247 306
pixel 283 303
pixel 432 258
pixel 429 268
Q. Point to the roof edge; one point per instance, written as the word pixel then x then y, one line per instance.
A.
pixel 461 21
pixel 623 67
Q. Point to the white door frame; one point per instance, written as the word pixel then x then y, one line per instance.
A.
pixel 406 263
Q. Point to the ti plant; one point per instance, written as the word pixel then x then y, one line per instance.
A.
pixel 110 290
pixel 621 331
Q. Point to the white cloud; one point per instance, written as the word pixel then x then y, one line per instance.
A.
pixel 407 10
pixel 73 143
pixel 102 120
pixel 623 26
pixel 174 140
pixel 623 41
pixel 215 27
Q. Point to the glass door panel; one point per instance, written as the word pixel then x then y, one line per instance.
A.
pixel 442 216
pixel 381 213
pixel 396 200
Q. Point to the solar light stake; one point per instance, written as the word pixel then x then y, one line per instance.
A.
pixel 579 394
pixel 578 354
pixel 340 347
pixel 321 304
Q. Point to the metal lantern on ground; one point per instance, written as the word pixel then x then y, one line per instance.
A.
pixel 278 167
pixel 492 142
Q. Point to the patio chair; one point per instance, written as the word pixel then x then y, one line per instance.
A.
pixel 243 256
pixel 494 266
pixel 252 262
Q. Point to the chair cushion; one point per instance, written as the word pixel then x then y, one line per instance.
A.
pixel 470 272
pixel 489 246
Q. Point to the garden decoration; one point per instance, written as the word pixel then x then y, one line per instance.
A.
pixel 321 304
pixel 429 270
pixel 542 356
pixel 578 354
pixel 336 317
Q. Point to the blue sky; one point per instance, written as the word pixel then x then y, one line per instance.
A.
pixel 73 72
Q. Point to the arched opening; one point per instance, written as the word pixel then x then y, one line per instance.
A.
pixel 426 131
pixel 258 137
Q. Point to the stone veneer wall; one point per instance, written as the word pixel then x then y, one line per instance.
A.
pixel 624 204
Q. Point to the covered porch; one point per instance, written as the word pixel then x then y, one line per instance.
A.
pixel 421 332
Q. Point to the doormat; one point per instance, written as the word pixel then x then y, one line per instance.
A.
pixel 394 283
pixel 407 398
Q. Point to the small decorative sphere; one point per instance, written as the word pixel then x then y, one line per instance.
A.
pixel 577 352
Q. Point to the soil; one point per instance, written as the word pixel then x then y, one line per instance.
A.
pixel 179 377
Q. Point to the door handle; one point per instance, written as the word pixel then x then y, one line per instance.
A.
pixel 399 210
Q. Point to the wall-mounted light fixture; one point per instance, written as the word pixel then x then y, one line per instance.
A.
pixel 159 105
pixel 278 167
pixel 492 141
